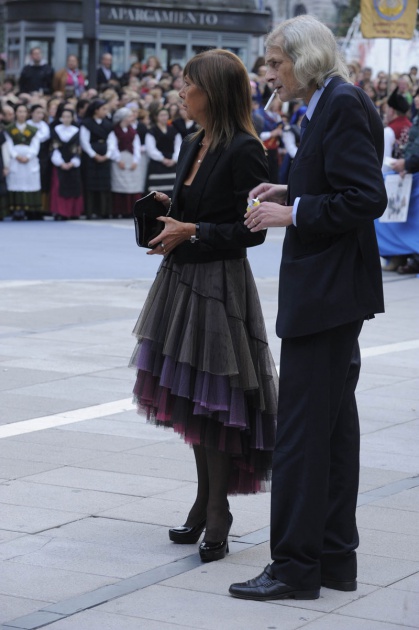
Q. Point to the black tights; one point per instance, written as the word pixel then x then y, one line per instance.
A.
pixel 213 469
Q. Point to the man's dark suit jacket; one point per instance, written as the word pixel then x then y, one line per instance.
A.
pixel 101 77
pixel 330 271
pixel 217 198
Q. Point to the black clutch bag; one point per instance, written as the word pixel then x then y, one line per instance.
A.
pixel 146 211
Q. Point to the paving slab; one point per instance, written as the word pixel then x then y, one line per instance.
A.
pixel 371 478
pixel 410 583
pixel 377 458
pixel 381 543
pixel 12 607
pixel 407 500
pixel 97 620
pixel 59 454
pixel 21 377
pixel 377 518
pixel 144 466
pixel 75 500
pixel 389 605
pixel 44 583
pixel 92 479
pixel 117 561
pixel 29 520
pixel 384 571
pixel 81 440
pixel 6 535
pixel 16 469
pixel 161 603
pixel 338 622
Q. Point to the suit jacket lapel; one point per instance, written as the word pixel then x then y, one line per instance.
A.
pixel 320 105
pixel 312 123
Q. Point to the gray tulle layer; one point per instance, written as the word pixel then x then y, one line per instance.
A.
pixel 204 366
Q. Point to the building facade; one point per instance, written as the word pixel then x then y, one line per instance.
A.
pixel 325 10
pixel 172 30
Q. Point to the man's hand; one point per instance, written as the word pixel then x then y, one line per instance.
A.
pixel 268 214
pixel 270 192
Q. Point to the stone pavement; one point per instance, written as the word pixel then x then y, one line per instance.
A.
pixel 88 489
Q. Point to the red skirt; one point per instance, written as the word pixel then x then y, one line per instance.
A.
pixel 71 207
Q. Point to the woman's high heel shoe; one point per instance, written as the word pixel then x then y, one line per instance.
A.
pixel 211 551
pixel 184 535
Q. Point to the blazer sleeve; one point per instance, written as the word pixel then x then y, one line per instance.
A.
pixel 248 168
pixel 348 164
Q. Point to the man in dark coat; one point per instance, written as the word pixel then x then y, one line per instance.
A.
pixel 330 282
pixel 105 76
pixel 37 75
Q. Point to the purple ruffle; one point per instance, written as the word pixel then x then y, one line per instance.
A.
pixel 204 366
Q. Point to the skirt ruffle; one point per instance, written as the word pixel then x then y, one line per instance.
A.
pixel 204 367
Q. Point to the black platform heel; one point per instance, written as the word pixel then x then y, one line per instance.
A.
pixel 211 551
pixel 184 535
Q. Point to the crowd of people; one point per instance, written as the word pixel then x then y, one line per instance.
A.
pixel 71 151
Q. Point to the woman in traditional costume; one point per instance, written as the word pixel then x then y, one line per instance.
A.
pixel 23 179
pixel 126 157
pixel 66 188
pixel 162 143
pixel 96 165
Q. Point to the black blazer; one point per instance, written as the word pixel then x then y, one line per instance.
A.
pixel 101 77
pixel 217 198
pixel 330 270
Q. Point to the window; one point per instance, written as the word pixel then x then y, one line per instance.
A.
pixel 173 53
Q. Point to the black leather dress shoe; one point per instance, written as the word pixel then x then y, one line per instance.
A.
pixel 339 585
pixel 265 586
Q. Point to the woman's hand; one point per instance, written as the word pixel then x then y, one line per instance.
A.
pixel 268 214
pixel 270 192
pixel 121 165
pixel 174 233
pixel 164 199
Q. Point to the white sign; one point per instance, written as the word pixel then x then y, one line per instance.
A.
pixel 398 192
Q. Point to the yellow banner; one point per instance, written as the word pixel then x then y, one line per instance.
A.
pixel 388 18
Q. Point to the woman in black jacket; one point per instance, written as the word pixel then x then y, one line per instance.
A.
pixel 204 366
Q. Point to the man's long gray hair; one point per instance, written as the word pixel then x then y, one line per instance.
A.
pixel 312 47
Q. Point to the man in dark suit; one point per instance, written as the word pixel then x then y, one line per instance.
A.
pixel 330 282
pixel 105 76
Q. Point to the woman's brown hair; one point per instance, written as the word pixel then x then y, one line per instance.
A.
pixel 223 76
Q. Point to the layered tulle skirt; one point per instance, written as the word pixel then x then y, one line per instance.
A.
pixel 204 366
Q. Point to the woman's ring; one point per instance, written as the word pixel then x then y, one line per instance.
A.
pixel 254 222
pixel 162 244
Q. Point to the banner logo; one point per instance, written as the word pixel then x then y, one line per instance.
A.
pixel 390 9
